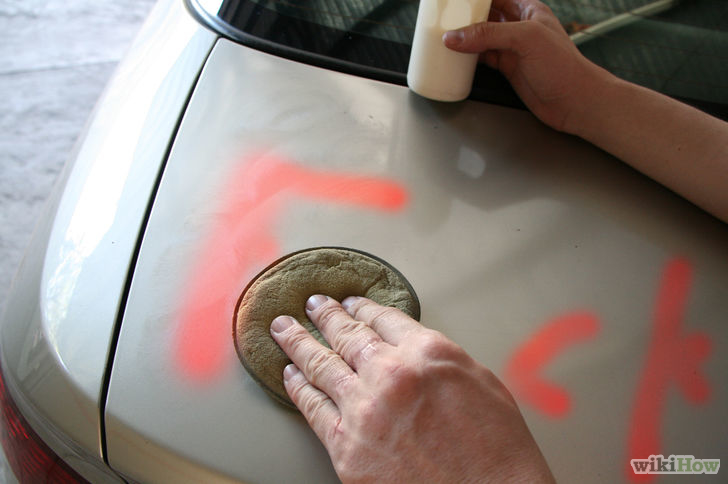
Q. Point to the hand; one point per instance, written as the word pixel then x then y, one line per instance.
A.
pixel 525 41
pixel 393 401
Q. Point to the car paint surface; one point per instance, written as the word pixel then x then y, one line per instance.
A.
pixel 587 287
pixel 60 321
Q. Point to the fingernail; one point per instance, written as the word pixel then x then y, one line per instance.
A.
pixel 349 301
pixel 281 323
pixel 315 301
pixel 290 371
pixel 453 37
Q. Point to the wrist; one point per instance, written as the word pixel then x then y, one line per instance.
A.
pixel 597 95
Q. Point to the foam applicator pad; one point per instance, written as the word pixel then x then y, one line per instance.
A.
pixel 285 286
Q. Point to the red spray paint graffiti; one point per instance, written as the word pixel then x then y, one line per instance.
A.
pixel 555 337
pixel 242 243
pixel 672 357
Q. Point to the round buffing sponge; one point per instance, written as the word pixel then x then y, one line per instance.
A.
pixel 285 286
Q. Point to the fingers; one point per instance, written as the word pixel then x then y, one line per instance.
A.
pixel 513 10
pixel 483 36
pixel 510 9
pixel 497 16
pixel 321 366
pixel 353 340
pixel 524 22
pixel 320 411
pixel 390 323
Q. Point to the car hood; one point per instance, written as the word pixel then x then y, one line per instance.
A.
pixel 547 259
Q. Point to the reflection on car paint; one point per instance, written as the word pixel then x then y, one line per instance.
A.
pixel 242 242
pixel 673 356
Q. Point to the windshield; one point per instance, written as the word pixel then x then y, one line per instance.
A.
pixel 678 47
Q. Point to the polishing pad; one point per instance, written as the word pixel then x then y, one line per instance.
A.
pixel 285 286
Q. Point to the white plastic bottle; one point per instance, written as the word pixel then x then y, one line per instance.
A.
pixel 435 71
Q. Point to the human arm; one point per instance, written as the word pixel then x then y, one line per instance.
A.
pixel 679 146
pixel 676 145
pixel 393 401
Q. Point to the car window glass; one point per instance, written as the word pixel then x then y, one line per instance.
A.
pixel 678 47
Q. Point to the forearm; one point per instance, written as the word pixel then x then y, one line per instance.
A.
pixel 680 147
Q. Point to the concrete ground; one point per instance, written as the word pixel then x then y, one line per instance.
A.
pixel 55 58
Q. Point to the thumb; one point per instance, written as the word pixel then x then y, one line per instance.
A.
pixel 482 36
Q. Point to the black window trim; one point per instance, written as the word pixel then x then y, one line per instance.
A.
pixel 489 85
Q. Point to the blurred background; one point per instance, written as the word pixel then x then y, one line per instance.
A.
pixel 55 58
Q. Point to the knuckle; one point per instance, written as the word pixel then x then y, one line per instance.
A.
pixel 477 32
pixel 542 8
pixel 296 341
pixel 487 376
pixel 394 369
pixel 356 341
pixel 436 346
pixel 327 314
pixel 477 37
pixel 398 379
pixel 533 31
pixel 498 388
pixel 344 333
pixel 311 405
pixel 358 305
pixel 344 384
pixel 374 417
pixel 368 411
pixel 531 9
pixel 382 315
pixel 295 388
pixel 362 307
pixel 319 364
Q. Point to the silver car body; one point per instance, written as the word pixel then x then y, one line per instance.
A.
pixel 598 296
